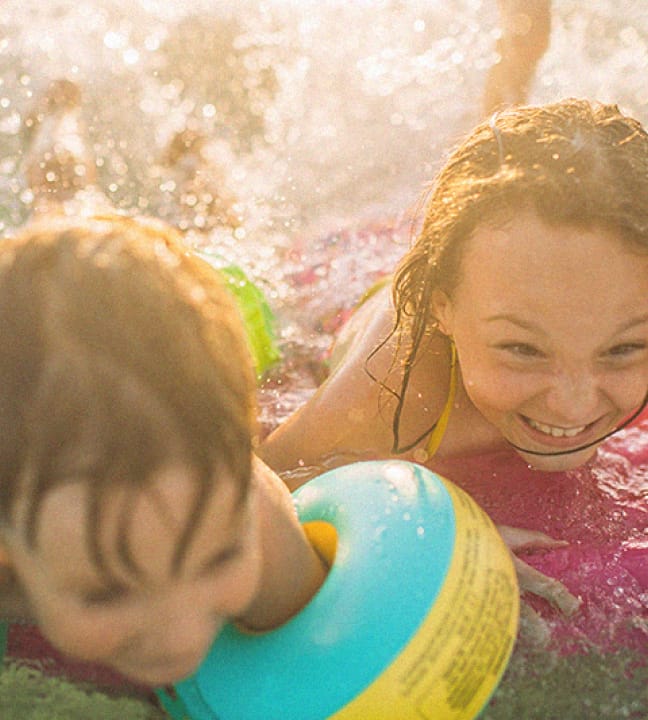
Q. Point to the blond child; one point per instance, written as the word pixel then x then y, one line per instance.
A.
pixel 134 519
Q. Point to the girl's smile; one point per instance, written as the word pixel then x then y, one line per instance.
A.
pixel 553 431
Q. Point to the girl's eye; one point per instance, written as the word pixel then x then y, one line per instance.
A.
pixel 523 350
pixel 625 350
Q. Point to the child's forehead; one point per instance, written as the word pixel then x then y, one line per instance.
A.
pixel 150 522
pixel 554 272
pixel 529 240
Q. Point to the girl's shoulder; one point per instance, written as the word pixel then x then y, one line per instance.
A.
pixel 368 326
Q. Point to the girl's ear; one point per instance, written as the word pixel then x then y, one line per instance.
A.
pixel 443 312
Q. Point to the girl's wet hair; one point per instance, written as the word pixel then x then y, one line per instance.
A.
pixel 573 162
pixel 121 354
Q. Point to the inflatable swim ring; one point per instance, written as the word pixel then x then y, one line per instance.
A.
pixel 416 619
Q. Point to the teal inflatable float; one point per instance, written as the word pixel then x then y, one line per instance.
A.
pixel 416 619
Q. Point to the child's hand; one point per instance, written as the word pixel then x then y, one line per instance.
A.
pixel 532 580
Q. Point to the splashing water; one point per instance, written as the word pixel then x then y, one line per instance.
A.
pixel 325 127
pixel 324 121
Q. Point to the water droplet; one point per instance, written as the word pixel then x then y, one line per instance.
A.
pixel 114 40
pixel 131 56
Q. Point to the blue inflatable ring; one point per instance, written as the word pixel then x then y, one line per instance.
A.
pixel 387 635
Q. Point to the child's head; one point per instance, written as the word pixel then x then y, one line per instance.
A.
pixel 572 163
pixel 126 430
pixel 515 219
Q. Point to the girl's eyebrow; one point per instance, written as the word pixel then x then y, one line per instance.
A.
pixel 640 320
pixel 515 320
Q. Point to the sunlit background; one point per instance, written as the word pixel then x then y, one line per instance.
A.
pixel 332 111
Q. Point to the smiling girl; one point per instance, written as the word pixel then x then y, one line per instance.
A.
pixel 517 322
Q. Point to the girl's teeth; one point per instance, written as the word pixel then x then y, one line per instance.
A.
pixel 555 431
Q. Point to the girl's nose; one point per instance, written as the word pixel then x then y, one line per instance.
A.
pixel 574 398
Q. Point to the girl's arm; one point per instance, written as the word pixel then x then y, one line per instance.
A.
pixel 348 417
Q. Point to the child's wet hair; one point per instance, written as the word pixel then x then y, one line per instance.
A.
pixel 572 162
pixel 121 355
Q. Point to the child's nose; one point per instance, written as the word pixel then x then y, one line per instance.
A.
pixel 574 397
pixel 188 631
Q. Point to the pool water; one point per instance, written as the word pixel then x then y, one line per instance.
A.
pixel 323 141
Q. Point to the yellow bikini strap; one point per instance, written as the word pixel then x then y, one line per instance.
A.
pixel 442 422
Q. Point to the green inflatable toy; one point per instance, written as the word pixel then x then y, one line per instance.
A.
pixel 258 318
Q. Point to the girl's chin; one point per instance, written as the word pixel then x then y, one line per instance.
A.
pixel 558 463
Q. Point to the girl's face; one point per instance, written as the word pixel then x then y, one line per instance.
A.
pixel 154 626
pixel 551 329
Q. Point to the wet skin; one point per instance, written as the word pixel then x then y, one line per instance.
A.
pixel 551 329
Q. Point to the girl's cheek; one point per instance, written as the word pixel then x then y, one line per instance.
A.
pixel 626 388
pixel 499 387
